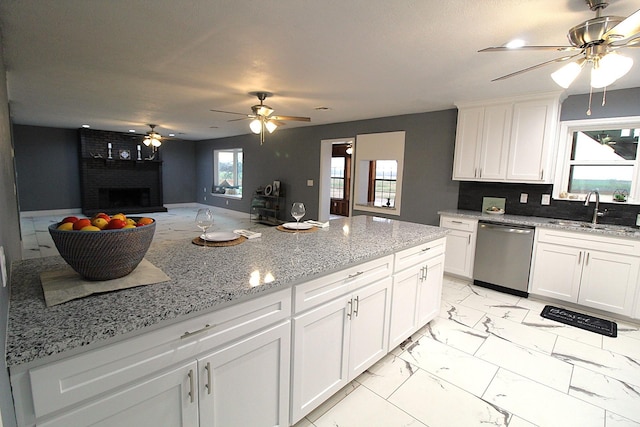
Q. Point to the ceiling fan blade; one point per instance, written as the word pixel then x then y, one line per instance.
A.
pixel 514 49
pixel 627 28
pixel 277 122
pixel 542 64
pixel 229 112
pixel 294 118
pixel 242 118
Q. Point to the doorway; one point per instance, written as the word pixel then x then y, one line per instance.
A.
pixel 336 170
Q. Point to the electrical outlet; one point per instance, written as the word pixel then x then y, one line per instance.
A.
pixel 309 183
pixel 546 199
pixel 227 202
pixel 205 189
pixel 524 197
pixel 3 267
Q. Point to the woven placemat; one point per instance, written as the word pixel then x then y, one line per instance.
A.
pixel 200 242
pixel 288 230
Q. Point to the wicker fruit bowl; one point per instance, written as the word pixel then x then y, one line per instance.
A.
pixel 104 255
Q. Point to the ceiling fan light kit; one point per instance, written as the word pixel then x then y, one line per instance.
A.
pixel 596 40
pixel 262 117
pixel 152 138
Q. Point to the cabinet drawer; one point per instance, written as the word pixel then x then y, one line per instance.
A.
pixel 75 379
pixel 456 223
pixel 326 288
pixel 417 254
pixel 586 240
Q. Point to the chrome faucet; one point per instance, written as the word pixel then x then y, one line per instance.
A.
pixel 596 212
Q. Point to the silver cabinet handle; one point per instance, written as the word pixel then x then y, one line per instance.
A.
pixel 349 311
pixel 191 386
pixel 587 260
pixel 205 328
pixel 356 306
pixel 541 174
pixel 208 384
pixel 469 239
pixel 426 272
pixel 475 173
pixel 351 276
pixel 480 173
pixel 579 257
pixel 425 249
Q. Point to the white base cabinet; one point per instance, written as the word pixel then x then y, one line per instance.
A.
pixel 461 245
pixel 596 271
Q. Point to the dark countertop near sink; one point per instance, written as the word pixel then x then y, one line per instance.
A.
pixel 562 224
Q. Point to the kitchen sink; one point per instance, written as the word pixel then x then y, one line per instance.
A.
pixel 588 225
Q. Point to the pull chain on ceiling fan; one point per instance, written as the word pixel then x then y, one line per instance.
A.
pixel 596 41
pixel 261 118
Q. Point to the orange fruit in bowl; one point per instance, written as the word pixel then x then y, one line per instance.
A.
pixel 120 216
pixel 129 226
pixel 66 226
pixel 99 222
pixel 81 223
pixel 70 219
pixel 115 224
pixel 144 221
pixel 90 228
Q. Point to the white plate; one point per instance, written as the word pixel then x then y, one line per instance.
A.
pixel 219 236
pixel 500 212
pixel 296 226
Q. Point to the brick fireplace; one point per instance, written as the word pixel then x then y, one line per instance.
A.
pixel 121 183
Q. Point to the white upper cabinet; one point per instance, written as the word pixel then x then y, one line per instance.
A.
pixel 511 140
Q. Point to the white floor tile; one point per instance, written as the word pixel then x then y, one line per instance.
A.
pixel 461 314
pixel 496 307
pixel 539 404
pixel 452 365
pixel 623 344
pixel 314 415
pixel 536 366
pixel 387 375
pixel 518 333
pixel 615 420
pixel 601 361
pixel 365 408
pixel 438 403
pixel 615 396
pixel 455 335
pixel 536 321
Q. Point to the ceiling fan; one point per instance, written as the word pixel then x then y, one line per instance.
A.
pixel 262 117
pixel 152 138
pixel 595 41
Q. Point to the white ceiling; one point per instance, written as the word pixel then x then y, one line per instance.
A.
pixel 120 64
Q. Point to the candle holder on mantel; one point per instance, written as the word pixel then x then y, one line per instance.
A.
pixel 109 149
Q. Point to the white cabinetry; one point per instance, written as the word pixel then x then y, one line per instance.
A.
pixel 417 289
pixel 461 245
pixel 592 270
pixel 341 327
pixel 508 140
pixel 172 376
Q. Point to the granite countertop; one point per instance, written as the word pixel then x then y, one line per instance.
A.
pixel 534 221
pixel 202 279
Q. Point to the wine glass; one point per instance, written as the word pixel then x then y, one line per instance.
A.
pixel 297 211
pixel 204 220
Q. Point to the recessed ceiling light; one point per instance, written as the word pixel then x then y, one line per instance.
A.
pixel 86 126
pixel 172 134
pixel 515 43
pixel 132 130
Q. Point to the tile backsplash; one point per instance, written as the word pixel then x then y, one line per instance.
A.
pixel 471 194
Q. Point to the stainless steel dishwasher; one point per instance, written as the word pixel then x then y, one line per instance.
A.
pixel 503 257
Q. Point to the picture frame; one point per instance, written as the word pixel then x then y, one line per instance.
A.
pixel 125 155
pixel 275 189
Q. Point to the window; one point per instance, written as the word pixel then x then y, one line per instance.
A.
pixel 382 187
pixel 599 155
pixel 227 173
pixel 338 165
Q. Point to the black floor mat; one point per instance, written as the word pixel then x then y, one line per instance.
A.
pixel 581 320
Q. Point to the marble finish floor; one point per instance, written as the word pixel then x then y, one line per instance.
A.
pixel 488 359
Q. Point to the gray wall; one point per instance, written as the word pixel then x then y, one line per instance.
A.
pixel 619 103
pixel 293 156
pixel 9 238
pixel 48 170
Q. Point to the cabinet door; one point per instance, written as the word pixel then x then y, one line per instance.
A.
pixel 320 349
pixel 167 399
pixel 468 140
pixel 532 137
pixel 430 290
pixel 609 282
pixel 556 271
pixel 404 317
pixel 460 253
pixel 369 320
pixel 247 383
pixel 494 149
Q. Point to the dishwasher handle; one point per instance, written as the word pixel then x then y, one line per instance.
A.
pixel 506 228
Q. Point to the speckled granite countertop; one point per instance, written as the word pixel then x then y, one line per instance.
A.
pixel 534 221
pixel 202 279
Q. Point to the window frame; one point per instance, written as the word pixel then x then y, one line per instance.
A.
pixel 216 153
pixel 564 163
pixel 342 178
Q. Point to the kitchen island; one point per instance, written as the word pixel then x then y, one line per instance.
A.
pixel 252 277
